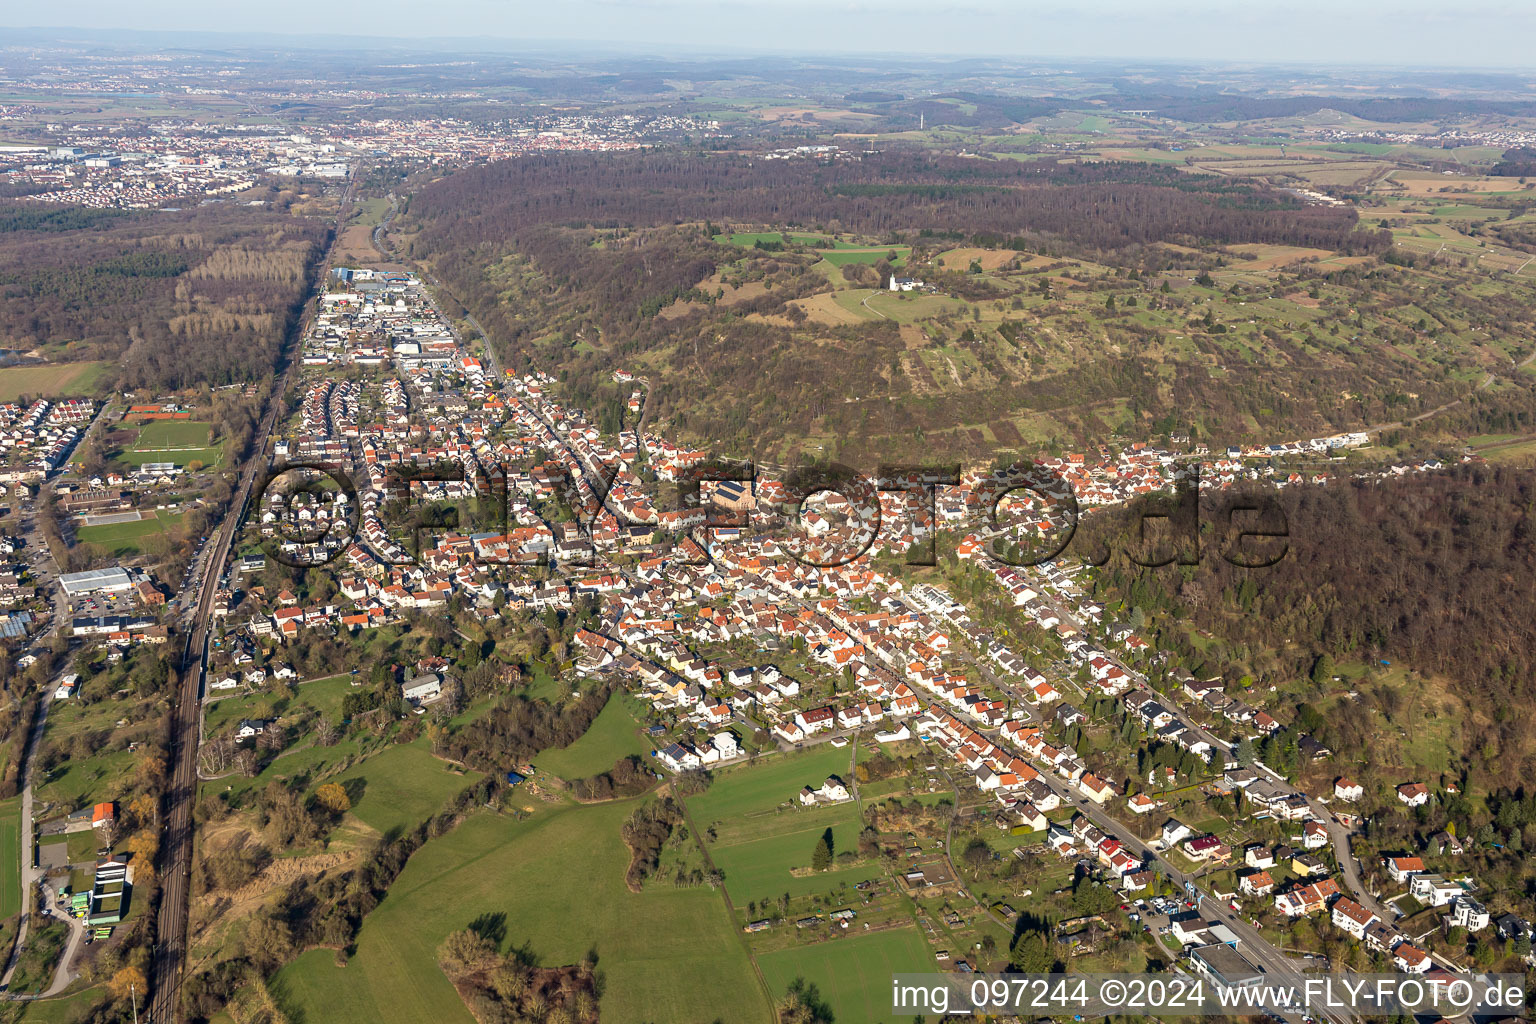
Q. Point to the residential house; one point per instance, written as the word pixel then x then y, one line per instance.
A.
pixel 1433 890
pixel 1410 959
pixel 1352 917
pixel 1257 883
pixel 1467 913
pixel 1401 869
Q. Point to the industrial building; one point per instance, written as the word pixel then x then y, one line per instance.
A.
pixel 95 581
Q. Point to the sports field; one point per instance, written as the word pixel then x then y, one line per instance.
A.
pixel 162 435
pixel 852 974
pixel 614 734
pixel 10 857
pixel 53 379
pixel 125 538
pixel 669 955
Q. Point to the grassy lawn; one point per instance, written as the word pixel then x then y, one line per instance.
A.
pixel 76 783
pixel 748 239
pixel 323 695
pixel 402 786
pixel 757 861
pixel 852 974
pixel 904 308
pixel 843 257
pixel 70 1009
pixel 764 785
pixel 54 379
pixel 10 857
pixel 159 435
pixel 306 762
pixel 614 734
pixel 669 955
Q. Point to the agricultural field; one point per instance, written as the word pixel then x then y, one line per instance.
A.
pixel 556 879
pixel 1427 183
pixel 852 974
pixel 54 380
pixel 895 254
pixel 748 239
pixel 763 839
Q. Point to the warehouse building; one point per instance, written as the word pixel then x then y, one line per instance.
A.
pixel 95 581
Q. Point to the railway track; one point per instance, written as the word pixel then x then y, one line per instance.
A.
pixel 177 830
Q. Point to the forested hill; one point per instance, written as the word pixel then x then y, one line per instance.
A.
pixel 177 298
pixel 1105 205
pixel 585 263
pixel 1432 572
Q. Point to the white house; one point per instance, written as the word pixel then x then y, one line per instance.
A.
pixel 678 757
pixel 833 790
pixel 67 687
pixel 423 688
pixel 1433 889
pixel 1260 856
pixel 1410 959
pixel 1401 869
pixel 1175 832
pixel 1352 917
pixel 1468 913
pixel 726 744
pixel 788 731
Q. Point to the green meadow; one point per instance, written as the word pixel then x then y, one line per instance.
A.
pixel 668 955
pixel 851 974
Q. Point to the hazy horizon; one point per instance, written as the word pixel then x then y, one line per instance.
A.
pixel 1416 33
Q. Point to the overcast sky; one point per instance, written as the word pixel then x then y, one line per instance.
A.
pixel 1442 33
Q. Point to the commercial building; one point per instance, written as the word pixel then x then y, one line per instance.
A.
pixel 1225 966
pixel 95 581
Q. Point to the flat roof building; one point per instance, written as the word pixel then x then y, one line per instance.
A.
pixel 95 581
pixel 1225 966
